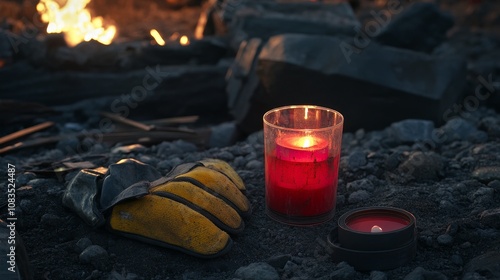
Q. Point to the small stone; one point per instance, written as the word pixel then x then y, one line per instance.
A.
pixel 457 129
pixel 37 183
pixel 173 162
pixel 96 274
pixel 239 161
pixel 114 275
pixel 487 174
pixel 54 154
pixel 362 184
pixel 222 135
pixel 27 206
pixel 279 261
pixel 343 272
pixel 420 273
pixel 69 145
pixel 24 178
pixel 76 127
pixel 131 276
pixel 290 267
pixel 255 164
pixel 256 138
pixel 225 155
pixel 492 126
pixel 456 259
pixel 378 275
pixel 179 147
pixel 355 160
pixel 153 161
pixel 411 131
pixel 257 271
pixel 445 240
pixel 466 245
pixel 483 195
pixel 96 256
pixel 393 160
pixel 491 218
pixel 495 184
pixel 422 166
pixel 486 264
pixel 358 196
pixel 82 244
pixel 51 220
pixel 183 147
pixel 452 229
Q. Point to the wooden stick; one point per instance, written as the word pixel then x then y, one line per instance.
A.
pixel 174 120
pixel 24 132
pixel 196 137
pixel 126 121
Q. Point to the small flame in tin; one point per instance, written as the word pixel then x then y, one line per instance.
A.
pixel 376 228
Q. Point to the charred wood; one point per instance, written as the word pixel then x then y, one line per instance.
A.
pixel 163 91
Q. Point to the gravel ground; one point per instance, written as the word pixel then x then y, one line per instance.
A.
pixel 448 177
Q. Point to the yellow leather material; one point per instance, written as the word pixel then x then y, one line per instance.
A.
pixel 225 168
pixel 208 202
pixel 219 183
pixel 169 223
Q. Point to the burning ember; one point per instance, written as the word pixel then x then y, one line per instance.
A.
pixel 156 35
pixel 75 21
pixel 183 40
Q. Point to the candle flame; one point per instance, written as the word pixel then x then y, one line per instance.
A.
pixel 376 228
pixel 305 113
pixel 304 142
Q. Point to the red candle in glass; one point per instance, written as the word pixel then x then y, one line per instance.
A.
pixel 302 149
pixel 377 223
pixel 302 181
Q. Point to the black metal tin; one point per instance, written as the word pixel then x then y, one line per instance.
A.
pixel 374 251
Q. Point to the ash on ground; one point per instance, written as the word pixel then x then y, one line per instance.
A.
pixel 447 176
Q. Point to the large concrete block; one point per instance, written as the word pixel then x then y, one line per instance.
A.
pixel 372 88
pixel 263 19
pixel 420 27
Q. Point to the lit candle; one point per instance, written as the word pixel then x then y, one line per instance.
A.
pixel 301 177
pixel 374 238
pixel 376 223
pixel 302 150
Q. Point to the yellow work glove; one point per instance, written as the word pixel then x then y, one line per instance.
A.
pixel 193 209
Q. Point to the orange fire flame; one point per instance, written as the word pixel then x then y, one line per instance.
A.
pixel 75 21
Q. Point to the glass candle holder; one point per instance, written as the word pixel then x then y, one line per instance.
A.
pixel 302 150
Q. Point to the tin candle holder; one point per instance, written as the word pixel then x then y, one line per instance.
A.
pixel 374 238
pixel 302 150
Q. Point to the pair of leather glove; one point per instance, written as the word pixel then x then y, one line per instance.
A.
pixel 192 209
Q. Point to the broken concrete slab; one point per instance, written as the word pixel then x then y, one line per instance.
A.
pixel 421 26
pixel 237 77
pixel 243 86
pixel 263 19
pixel 373 88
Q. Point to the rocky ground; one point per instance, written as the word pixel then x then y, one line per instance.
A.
pixel 448 177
